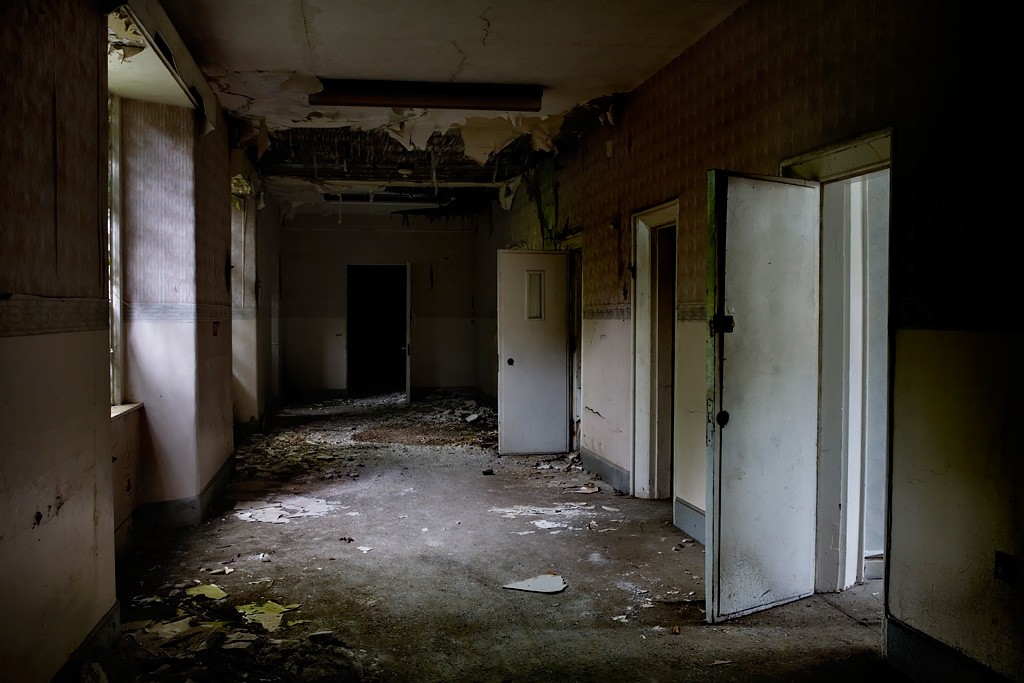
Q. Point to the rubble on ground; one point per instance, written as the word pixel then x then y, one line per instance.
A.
pixel 320 435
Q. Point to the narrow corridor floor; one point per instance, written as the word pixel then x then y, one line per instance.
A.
pixel 372 539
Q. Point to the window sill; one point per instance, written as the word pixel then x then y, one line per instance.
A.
pixel 123 409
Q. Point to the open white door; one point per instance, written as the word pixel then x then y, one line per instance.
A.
pixel 762 393
pixel 533 367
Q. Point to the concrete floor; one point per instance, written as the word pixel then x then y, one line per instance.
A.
pixel 416 594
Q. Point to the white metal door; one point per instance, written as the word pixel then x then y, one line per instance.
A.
pixel 533 367
pixel 763 393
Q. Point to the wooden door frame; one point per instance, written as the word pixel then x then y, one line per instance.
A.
pixel 647 460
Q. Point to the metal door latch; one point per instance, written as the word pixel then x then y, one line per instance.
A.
pixel 722 324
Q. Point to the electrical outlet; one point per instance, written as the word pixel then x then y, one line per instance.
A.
pixel 1006 567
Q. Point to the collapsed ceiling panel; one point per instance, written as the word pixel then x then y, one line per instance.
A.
pixel 265 64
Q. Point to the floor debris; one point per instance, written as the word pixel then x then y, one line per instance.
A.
pixel 542 583
pixel 567 509
pixel 425 606
pixel 268 615
pixel 281 510
pixel 546 524
pixel 589 487
pixel 208 590
pixel 239 641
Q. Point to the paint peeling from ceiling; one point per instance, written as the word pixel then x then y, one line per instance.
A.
pixel 124 40
pixel 264 65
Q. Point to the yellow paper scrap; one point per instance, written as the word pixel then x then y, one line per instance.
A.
pixel 207 590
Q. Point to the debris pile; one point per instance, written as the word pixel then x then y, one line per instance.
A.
pixel 437 420
pixel 197 633
pixel 326 437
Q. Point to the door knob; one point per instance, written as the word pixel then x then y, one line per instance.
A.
pixel 511 362
pixel 722 418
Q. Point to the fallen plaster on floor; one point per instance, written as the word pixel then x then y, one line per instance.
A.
pixel 373 597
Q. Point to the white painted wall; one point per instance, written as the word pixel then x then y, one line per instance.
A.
pixel 246 399
pixel 268 261
pixel 313 352
pixel 181 372
pixel 956 491
pixel 214 435
pixel 608 390
pixel 876 363
pixel 444 352
pixel 315 253
pixel 160 372
pixel 245 366
pixel 690 468
pixel 57 546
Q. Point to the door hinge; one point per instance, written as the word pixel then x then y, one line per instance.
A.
pixel 722 324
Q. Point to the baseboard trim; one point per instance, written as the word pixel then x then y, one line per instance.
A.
pixel 922 658
pixel 103 636
pixel 616 477
pixel 183 512
pixel 689 519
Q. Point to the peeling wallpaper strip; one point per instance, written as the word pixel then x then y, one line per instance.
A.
pixel 26 315
pixel 611 312
pixel 177 312
pixel 695 312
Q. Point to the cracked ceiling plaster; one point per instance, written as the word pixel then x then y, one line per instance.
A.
pixel 264 59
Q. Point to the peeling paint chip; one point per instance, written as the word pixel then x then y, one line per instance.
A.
pixel 543 583
pixel 208 590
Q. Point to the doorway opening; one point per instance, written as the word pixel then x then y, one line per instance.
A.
pixel 854 383
pixel 654 340
pixel 575 322
pixel 377 321
pixel 854 379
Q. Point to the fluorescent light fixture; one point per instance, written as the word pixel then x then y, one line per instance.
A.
pixel 424 94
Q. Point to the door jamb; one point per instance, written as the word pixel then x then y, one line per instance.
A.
pixel 644 479
pixel 859 156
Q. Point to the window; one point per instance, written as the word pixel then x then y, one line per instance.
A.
pixel 114 250
pixel 535 295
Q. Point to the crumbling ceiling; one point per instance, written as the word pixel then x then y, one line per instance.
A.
pixel 265 63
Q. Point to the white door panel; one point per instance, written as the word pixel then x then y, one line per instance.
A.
pixel 533 379
pixel 764 402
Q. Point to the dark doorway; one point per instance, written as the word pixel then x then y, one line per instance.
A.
pixel 377 329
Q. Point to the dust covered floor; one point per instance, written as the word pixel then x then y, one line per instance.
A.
pixel 371 540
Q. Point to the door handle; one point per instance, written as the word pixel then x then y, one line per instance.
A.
pixel 722 418
pixel 511 361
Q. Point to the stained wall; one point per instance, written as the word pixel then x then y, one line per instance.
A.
pixel 57 543
pixel 778 79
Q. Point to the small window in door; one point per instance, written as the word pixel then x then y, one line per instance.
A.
pixel 535 295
